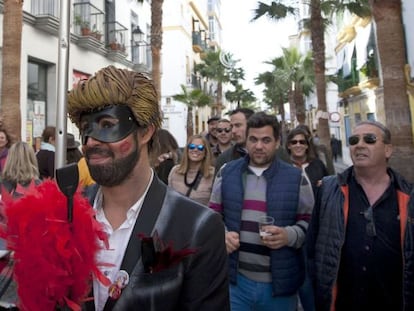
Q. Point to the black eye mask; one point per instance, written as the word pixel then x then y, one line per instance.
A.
pixel 108 125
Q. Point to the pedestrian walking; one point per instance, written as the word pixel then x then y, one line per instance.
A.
pixel 335 147
pixel 238 121
pixel 166 252
pixel 193 176
pixel 266 269
pixel 360 246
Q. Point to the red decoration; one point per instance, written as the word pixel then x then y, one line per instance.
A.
pixel 54 259
pixel 156 255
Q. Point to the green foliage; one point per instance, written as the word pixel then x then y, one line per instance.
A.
pixel 212 68
pixel 81 22
pixel 240 96
pixel 193 98
pixel 276 10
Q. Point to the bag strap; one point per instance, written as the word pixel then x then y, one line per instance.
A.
pixel 144 224
pixel 195 185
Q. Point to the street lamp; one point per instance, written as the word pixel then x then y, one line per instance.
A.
pixel 137 35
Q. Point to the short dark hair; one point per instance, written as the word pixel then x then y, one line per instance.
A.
pixel 261 119
pixel 48 132
pixel 212 119
pixel 246 111
pixel 386 133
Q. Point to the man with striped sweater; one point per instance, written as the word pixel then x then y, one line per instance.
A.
pixel 265 273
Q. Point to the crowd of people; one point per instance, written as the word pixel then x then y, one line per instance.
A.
pixel 335 242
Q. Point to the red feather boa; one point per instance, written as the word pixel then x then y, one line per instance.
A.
pixel 54 259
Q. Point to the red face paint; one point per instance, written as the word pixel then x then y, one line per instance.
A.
pixel 124 147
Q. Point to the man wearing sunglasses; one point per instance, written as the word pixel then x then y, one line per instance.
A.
pixel 117 113
pixel 238 121
pixel 361 244
pixel 265 271
pixel 223 132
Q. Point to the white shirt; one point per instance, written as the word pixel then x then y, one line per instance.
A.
pixel 118 240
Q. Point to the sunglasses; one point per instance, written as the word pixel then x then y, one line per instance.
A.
pixel 300 141
pixel 369 139
pixel 369 217
pixel 193 146
pixel 227 130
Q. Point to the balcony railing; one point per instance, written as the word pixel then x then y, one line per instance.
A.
pixel 88 20
pixel 197 42
pixel 45 8
pixel 116 36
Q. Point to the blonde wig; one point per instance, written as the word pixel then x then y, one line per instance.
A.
pixel 113 86
pixel 205 168
pixel 21 164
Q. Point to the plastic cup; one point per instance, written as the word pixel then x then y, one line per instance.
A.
pixel 265 221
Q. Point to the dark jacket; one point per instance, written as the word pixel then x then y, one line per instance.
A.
pixel 326 237
pixel 46 163
pixel 164 169
pixel 233 153
pixel 199 281
pixel 316 170
pixel 282 197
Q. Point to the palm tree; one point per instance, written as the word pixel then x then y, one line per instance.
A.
pixel 192 98
pixel 296 70
pixel 212 68
pixel 10 93
pixel 275 91
pixel 391 50
pixel 156 43
pixel 240 96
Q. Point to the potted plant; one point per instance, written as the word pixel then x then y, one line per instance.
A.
pixel 114 45
pixel 84 25
pixel 96 33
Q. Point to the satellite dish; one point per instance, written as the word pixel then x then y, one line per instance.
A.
pixel 225 60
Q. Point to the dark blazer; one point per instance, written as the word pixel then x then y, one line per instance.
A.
pixel 199 282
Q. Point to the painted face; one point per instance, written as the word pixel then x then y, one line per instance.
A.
pixel 108 125
pixel 196 150
pixel 112 163
pixel 298 146
pixel 261 146
pixel 224 132
pixel 3 140
pixel 367 147
pixel 238 128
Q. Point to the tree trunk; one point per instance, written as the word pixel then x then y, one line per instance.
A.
pixel 219 98
pixel 391 50
pixel 156 44
pixel 300 104
pixel 10 93
pixel 318 51
pixel 292 107
pixel 190 125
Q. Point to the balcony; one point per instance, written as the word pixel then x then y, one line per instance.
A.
pixel 115 41
pixel 197 42
pixel 88 25
pixel 46 15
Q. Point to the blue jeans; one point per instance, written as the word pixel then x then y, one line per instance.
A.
pixel 249 295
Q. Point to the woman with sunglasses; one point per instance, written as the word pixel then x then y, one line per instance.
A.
pixel 302 155
pixel 194 175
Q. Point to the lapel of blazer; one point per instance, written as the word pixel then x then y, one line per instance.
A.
pixel 145 223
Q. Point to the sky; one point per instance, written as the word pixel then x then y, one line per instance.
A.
pixel 252 42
